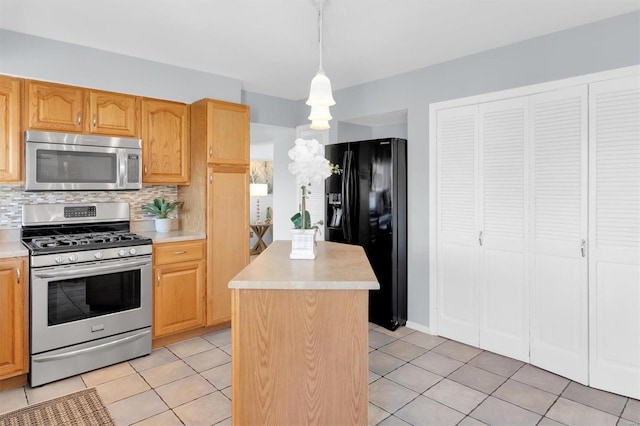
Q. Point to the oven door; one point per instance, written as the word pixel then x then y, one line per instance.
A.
pixel 78 303
pixel 53 167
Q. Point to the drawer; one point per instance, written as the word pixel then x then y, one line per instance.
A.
pixel 183 251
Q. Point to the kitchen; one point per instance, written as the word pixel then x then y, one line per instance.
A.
pixel 21 53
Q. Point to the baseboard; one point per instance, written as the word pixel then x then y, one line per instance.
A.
pixel 417 327
pixel 159 342
pixel 13 382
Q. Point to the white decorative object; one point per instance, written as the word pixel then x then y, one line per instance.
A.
pixel 258 190
pixel 163 224
pixel 303 244
pixel 310 168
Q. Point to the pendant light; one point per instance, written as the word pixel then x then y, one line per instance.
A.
pixel 320 95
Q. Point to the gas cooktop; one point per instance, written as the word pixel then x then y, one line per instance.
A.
pixel 83 241
pixel 63 228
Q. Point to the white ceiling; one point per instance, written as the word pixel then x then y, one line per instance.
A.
pixel 271 45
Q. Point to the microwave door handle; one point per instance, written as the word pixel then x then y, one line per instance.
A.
pixel 122 158
pixel 81 272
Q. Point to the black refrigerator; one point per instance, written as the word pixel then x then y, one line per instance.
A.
pixel 366 205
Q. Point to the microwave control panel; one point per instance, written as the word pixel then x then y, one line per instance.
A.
pixel 133 168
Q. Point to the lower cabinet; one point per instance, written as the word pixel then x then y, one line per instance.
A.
pixel 14 288
pixel 178 287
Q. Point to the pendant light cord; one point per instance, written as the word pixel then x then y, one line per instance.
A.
pixel 320 34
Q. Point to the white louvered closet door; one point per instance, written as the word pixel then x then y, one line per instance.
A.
pixel 504 310
pixel 614 235
pixel 457 224
pixel 559 298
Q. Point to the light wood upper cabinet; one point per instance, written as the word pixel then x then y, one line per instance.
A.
pixel 179 287
pixel 57 107
pixel 227 132
pixel 113 114
pixel 165 139
pixel 14 286
pixel 10 139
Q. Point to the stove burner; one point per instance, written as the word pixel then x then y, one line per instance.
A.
pixel 94 239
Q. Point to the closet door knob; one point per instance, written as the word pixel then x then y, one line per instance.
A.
pixel 583 248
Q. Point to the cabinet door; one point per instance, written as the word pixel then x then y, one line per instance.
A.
pixel 614 236
pixel 227 232
pixel 503 189
pixel 10 140
pixel 558 150
pixel 457 219
pixel 165 142
pixel 178 298
pixel 228 133
pixel 54 107
pixel 13 320
pixel 113 114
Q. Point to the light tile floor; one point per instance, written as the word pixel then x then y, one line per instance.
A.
pixel 414 379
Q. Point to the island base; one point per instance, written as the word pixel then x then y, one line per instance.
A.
pixel 299 357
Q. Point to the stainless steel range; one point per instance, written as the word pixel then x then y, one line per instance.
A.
pixel 90 288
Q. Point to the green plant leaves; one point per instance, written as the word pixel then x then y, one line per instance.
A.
pixel 297 220
pixel 160 208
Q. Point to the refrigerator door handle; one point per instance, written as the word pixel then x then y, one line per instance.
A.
pixel 343 193
pixel 348 195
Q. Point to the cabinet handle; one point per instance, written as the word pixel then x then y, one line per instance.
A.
pixel 480 238
pixel 145 170
pixel 158 280
pixel 583 247
pixel 18 274
pixel 180 252
pixel 210 152
pixel 210 178
pixel 94 120
pixel 79 118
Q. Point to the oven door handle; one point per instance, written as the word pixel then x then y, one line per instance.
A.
pixel 80 272
pixel 92 348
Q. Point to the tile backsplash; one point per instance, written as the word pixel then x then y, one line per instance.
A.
pixel 12 197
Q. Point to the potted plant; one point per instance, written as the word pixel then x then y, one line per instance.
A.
pixel 311 169
pixel 160 209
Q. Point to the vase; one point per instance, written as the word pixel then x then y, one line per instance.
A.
pixel 163 225
pixel 303 244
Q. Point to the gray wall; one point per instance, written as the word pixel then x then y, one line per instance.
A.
pixel 38 58
pixel 608 44
pixel 271 110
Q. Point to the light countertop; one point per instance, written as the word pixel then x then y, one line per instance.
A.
pixel 336 267
pixel 172 236
pixel 13 249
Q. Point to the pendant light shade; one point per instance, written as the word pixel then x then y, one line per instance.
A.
pixel 320 113
pixel 320 92
pixel 320 125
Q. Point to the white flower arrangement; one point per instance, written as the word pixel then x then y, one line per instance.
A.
pixel 311 169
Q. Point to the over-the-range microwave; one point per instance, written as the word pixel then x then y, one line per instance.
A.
pixel 73 162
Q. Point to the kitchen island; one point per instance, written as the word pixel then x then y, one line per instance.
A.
pixel 300 337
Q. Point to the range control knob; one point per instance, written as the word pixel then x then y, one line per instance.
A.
pixel 122 252
pixel 73 258
pixel 98 255
pixel 59 259
pixel 133 251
